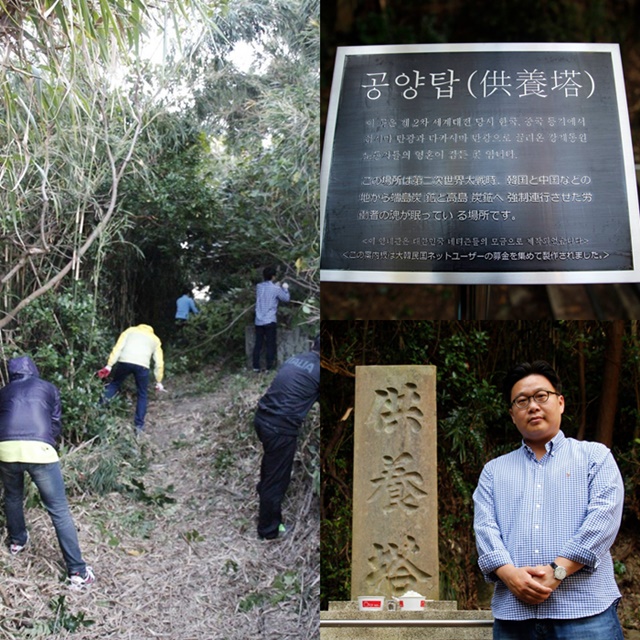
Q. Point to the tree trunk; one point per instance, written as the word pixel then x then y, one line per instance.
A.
pixel 609 397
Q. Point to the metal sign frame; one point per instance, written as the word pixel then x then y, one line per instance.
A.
pixel 415 83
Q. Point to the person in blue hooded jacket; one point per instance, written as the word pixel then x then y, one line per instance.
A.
pixel 30 425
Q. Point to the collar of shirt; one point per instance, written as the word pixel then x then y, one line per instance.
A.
pixel 552 446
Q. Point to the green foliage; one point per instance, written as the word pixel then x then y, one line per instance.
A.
pixel 66 339
pixel 335 569
pixel 105 464
pixel 285 585
pixel 217 332
pixel 193 536
pixel 629 462
pixel 62 332
pixel 282 588
pixel 230 567
pixel 138 522
pixel 181 443
pixel 71 123
pixel 230 184
pixel 222 461
pixel 63 620
pixel 108 535
pixel 252 600
pixel 202 184
pixel 32 497
pixel 158 497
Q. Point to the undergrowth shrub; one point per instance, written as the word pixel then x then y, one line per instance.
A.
pixel 68 341
pixel 216 333
pixel 110 462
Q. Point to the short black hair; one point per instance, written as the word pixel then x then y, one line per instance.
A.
pixel 524 369
pixel 268 273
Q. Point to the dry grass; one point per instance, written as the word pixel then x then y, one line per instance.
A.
pixel 192 569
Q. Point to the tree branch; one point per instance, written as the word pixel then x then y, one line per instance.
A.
pixel 116 174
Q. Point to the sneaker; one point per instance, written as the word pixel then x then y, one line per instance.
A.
pixel 15 548
pixel 282 531
pixel 77 581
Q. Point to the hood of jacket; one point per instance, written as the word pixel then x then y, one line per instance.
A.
pixel 145 327
pixel 22 367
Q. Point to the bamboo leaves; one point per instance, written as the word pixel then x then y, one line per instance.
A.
pixel 69 124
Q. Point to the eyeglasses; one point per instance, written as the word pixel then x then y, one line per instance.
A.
pixel 541 397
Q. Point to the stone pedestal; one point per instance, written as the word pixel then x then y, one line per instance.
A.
pixel 395 513
pixel 290 343
pixel 444 614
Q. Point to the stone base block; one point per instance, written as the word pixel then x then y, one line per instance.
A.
pixel 445 622
pixel 290 343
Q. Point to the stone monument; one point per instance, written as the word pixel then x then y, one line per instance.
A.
pixel 395 515
pixel 290 343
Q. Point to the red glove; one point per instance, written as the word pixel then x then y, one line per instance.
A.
pixel 104 372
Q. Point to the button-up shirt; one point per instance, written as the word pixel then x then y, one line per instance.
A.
pixel 528 512
pixel 268 294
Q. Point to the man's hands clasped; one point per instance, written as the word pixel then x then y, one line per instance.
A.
pixel 532 585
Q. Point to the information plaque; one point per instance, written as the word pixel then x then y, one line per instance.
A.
pixel 479 164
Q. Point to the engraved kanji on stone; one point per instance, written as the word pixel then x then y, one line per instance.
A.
pixel 393 566
pixel 395 409
pixel 398 486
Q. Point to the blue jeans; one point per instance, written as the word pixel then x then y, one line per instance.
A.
pixel 141 375
pixel 266 334
pixel 48 479
pixel 603 626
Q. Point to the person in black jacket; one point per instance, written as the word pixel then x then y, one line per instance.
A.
pixel 30 424
pixel 278 418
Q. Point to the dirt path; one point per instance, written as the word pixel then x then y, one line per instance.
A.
pixel 183 562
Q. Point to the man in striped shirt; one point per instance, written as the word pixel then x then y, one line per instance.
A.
pixel 546 516
pixel 268 295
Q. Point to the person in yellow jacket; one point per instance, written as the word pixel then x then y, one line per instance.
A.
pixel 132 355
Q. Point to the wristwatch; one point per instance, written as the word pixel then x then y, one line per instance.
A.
pixel 559 573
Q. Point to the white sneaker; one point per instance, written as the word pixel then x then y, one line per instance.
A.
pixel 76 581
pixel 15 548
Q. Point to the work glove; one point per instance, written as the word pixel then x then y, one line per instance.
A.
pixel 104 372
pixel 160 387
pixel 285 286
